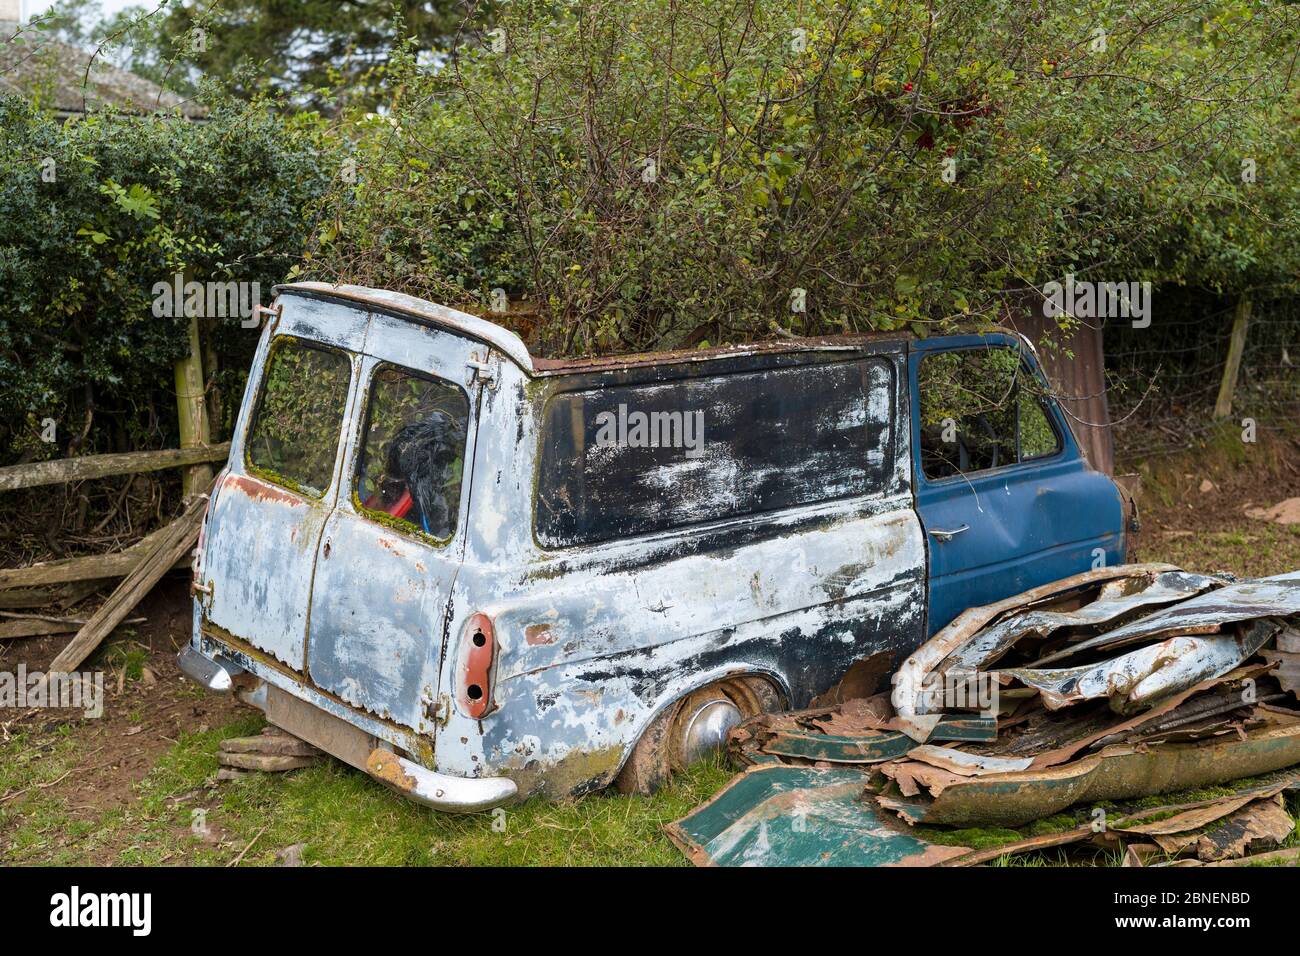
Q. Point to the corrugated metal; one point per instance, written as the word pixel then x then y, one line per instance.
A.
pixel 1076 369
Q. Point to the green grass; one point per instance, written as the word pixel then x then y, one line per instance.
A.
pixel 1257 550
pixel 341 815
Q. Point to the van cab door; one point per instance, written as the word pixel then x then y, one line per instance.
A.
pixel 392 547
pixel 1006 499
pixel 266 514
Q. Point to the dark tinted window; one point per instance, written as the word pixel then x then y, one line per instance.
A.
pixel 981 408
pixel 294 437
pixel 409 471
pixel 634 460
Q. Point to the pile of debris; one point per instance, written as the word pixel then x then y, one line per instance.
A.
pixel 1081 701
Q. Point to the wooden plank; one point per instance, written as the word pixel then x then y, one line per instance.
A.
pixel 40 626
pixel 60 470
pixel 115 565
pixel 64 596
pixel 182 534
pixel 12 629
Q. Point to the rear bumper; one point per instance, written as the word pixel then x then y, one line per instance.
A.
pixel 437 790
pixel 206 672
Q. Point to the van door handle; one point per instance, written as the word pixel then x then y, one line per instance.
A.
pixel 948 535
pixel 325 551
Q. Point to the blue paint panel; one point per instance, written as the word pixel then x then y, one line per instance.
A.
pixel 1027 523
pixel 800 816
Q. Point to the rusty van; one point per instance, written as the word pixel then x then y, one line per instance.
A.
pixel 476 574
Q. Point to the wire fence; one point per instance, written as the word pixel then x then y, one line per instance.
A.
pixel 1163 380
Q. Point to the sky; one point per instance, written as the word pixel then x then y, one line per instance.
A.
pixel 33 7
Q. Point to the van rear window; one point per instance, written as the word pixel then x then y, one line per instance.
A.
pixel 294 438
pixel 633 460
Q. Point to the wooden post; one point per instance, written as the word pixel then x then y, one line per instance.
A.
pixel 210 367
pixel 1237 345
pixel 192 409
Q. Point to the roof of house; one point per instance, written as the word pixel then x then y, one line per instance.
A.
pixel 54 74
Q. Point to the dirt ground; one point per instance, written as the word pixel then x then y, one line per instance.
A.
pixel 81 772
pixel 148 706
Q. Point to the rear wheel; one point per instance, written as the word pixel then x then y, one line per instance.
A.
pixel 693 728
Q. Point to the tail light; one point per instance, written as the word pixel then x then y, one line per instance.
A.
pixel 474 674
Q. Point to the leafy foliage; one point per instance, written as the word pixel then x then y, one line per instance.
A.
pixel 93 213
pixel 655 174
pixel 320 51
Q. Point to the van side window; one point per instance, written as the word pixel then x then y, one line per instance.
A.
pixel 981 408
pixel 411 461
pixel 639 459
pixel 294 438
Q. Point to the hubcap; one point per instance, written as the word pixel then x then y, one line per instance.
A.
pixel 706 728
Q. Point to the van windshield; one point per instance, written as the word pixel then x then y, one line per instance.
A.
pixel 294 437
pixel 409 471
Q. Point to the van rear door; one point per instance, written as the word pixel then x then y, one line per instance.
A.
pixel 394 542
pixel 265 520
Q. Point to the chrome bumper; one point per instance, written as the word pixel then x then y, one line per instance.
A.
pixel 437 790
pixel 206 672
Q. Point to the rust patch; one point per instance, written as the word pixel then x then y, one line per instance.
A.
pixel 536 634
pixel 389 545
pixel 260 490
pixel 383 765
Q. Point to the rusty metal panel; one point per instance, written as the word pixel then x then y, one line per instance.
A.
pixel 381 591
pixel 258 560
pixel 1117 598
pixel 594 641
pixel 1141 677
pixel 1118 772
pixel 1278 596
pixel 799 816
pixel 331 734
pixel 747 443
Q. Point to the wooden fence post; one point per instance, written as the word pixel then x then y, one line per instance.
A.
pixel 1237 345
pixel 192 409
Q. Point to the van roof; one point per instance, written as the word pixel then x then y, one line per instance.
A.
pixel 513 346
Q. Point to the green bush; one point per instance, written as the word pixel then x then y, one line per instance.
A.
pixel 93 213
pixel 653 174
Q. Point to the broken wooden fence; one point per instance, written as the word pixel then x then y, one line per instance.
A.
pixel 69 580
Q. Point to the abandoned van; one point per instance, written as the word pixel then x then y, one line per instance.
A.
pixel 477 575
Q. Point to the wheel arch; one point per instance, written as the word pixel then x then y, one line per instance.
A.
pixel 676 693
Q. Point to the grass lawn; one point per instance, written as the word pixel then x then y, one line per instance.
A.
pixel 338 814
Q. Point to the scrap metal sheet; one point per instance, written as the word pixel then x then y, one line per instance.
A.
pixel 1140 677
pixel 1117 598
pixel 1116 773
pixel 1278 596
pixel 799 816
